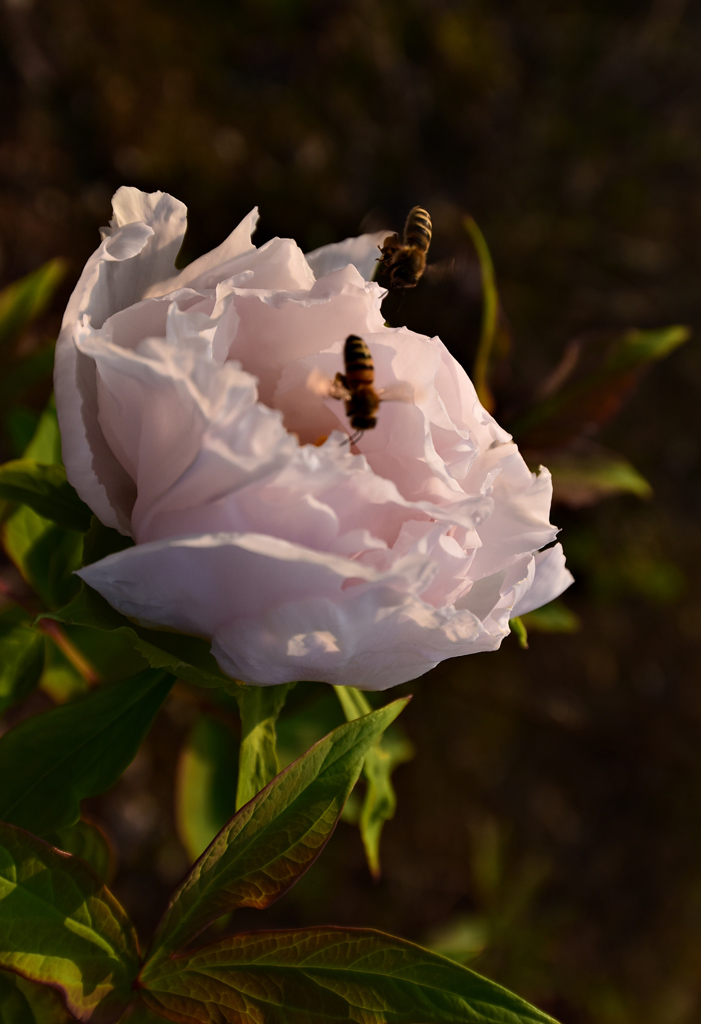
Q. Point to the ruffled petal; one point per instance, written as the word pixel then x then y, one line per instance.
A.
pixel 208 270
pixel 167 218
pixel 278 326
pixel 91 465
pixel 372 640
pixel 362 252
pixel 520 520
pixel 551 579
pixel 186 431
pixel 198 584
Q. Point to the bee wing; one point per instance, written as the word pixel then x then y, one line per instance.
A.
pixel 320 384
pixel 443 269
pixel 401 392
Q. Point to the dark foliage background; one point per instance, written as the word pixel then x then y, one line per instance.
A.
pixel 552 815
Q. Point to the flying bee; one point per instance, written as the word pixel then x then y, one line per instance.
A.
pixel 356 387
pixel 403 261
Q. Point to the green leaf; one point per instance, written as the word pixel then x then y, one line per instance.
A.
pixel 187 657
pixel 26 372
pixel 205 797
pixel 52 761
pixel 318 975
pixel 20 424
pixel 21 657
pixel 45 445
pixel 46 491
pixel 259 707
pixel 277 835
pixel 554 617
pixel 587 389
pixel 26 299
pixel 45 554
pixel 60 926
pixel 25 1002
pixel 88 842
pixel 462 938
pixel 380 801
pixel 586 474
pixel 636 348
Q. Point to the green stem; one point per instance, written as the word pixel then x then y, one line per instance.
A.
pixel 490 315
pixel 379 802
pixel 519 630
pixel 259 707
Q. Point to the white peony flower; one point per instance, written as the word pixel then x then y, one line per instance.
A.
pixel 188 423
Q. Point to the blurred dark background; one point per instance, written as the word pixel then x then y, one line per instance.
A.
pixel 550 823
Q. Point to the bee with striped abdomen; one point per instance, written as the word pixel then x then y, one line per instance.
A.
pixel 356 387
pixel 403 261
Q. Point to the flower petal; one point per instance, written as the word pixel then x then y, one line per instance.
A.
pixel 362 252
pixel 91 465
pixel 552 578
pixel 167 217
pixel 208 270
pixel 199 584
pixel 278 326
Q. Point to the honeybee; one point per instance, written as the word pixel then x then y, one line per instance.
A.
pixel 403 261
pixel 356 387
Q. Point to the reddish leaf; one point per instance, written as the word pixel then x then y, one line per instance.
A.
pixel 275 837
pixel 60 926
pixel 321 975
pixel 588 472
pixel 588 387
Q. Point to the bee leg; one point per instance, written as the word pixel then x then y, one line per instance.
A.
pixel 352 438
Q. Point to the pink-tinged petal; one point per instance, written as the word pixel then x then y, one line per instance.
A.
pixel 137 249
pixel 277 267
pixel 91 465
pixel 345 641
pixel 493 598
pixel 552 578
pixel 520 521
pixel 126 243
pixel 462 407
pixel 276 327
pixel 362 252
pixel 201 584
pixel 167 217
pixel 186 431
pixel 206 271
